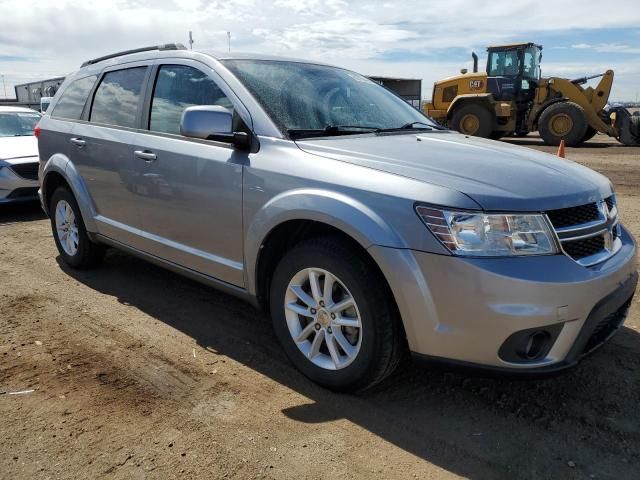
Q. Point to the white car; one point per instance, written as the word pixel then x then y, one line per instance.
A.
pixel 18 155
pixel 44 104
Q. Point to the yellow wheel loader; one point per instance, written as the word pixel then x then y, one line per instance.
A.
pixel 512 98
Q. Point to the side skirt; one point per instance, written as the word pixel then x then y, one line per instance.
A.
pixel 238 292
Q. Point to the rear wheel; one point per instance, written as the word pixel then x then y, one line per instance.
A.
pixel 334 317
pixel 75 247
pixel 565 120
pixel 473 119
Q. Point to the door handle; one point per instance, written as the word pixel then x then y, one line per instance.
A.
pixel 78 142
pixel 145 155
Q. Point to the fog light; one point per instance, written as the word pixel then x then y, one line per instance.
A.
pixel 530 345
pixel 535 345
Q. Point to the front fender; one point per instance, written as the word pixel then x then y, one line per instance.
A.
pixel 63 166
pixel 338 210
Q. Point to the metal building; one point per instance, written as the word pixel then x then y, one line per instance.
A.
pixel 408 88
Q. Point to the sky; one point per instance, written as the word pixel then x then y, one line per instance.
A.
pixel 423 39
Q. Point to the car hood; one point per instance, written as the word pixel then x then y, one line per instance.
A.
pixel 18 148
pixel 496 175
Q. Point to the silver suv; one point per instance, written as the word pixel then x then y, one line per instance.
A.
pixel 368 230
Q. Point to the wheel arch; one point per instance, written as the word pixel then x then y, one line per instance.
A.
pixel 60 171
pixel 299 215
pixel 483 99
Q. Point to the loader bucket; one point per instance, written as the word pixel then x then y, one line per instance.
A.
pixel 627 126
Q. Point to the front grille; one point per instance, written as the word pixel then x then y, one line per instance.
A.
pixel 26 170
pixel 586 247
pixel 607 327
pixel 569 217
pixel 610 201
pixel 588 233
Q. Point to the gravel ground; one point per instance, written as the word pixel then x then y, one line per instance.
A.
pixel 139 373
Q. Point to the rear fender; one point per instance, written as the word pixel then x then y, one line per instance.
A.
pixel 63 166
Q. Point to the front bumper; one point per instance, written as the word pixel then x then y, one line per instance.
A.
pixel 15 189
pixel 464 310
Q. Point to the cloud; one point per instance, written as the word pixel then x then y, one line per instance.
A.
pixel 609 48
pixel 395 36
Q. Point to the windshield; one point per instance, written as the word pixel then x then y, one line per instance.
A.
pixel 504 63
pixel 508 63
pixel 17 124
pixel 303 98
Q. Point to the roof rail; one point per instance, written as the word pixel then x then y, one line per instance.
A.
pixel 166 46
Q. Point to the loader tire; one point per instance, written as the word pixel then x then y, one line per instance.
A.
pixel 591 132
pixel 565 120
pixel 473 119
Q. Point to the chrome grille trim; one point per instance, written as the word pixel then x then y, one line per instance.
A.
pixel 607 226
pixel 580 228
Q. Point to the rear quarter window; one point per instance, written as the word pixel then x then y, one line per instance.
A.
pixel 73 99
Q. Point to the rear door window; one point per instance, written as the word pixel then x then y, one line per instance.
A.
pixel 178 87
pixel 117 98
pixel 73 99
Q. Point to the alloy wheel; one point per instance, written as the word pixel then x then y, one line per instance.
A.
pixel 66 228
pixel 323 318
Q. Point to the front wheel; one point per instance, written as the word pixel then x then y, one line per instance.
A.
pixel 334 316
pixel 591 132
pixel 75 247
pixel 563 121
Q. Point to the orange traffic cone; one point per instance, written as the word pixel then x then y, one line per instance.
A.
pixel 561 149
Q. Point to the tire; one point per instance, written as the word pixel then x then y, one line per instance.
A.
pixel 377 346
pixel 473 119
pixel 591 132
pixel 76 248
pixel 563 120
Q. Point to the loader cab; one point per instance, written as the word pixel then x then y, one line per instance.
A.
pixel 513 71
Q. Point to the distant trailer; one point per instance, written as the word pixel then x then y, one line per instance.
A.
pixel 410 89
pixel 31 93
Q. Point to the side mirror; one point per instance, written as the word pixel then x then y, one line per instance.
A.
pixel 212 122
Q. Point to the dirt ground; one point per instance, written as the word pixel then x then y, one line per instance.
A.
pixel 139 373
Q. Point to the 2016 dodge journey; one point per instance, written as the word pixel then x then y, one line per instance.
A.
pixel 366 229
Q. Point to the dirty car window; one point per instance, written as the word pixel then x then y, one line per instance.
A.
pixel 308 96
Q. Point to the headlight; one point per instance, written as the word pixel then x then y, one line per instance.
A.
pixel 476 234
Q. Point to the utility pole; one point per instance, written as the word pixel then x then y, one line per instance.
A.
pixel 229 40
pixel 4 86
pixel 190 40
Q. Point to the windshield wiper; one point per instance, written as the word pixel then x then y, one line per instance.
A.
pixel 330 130
pixel 413 126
